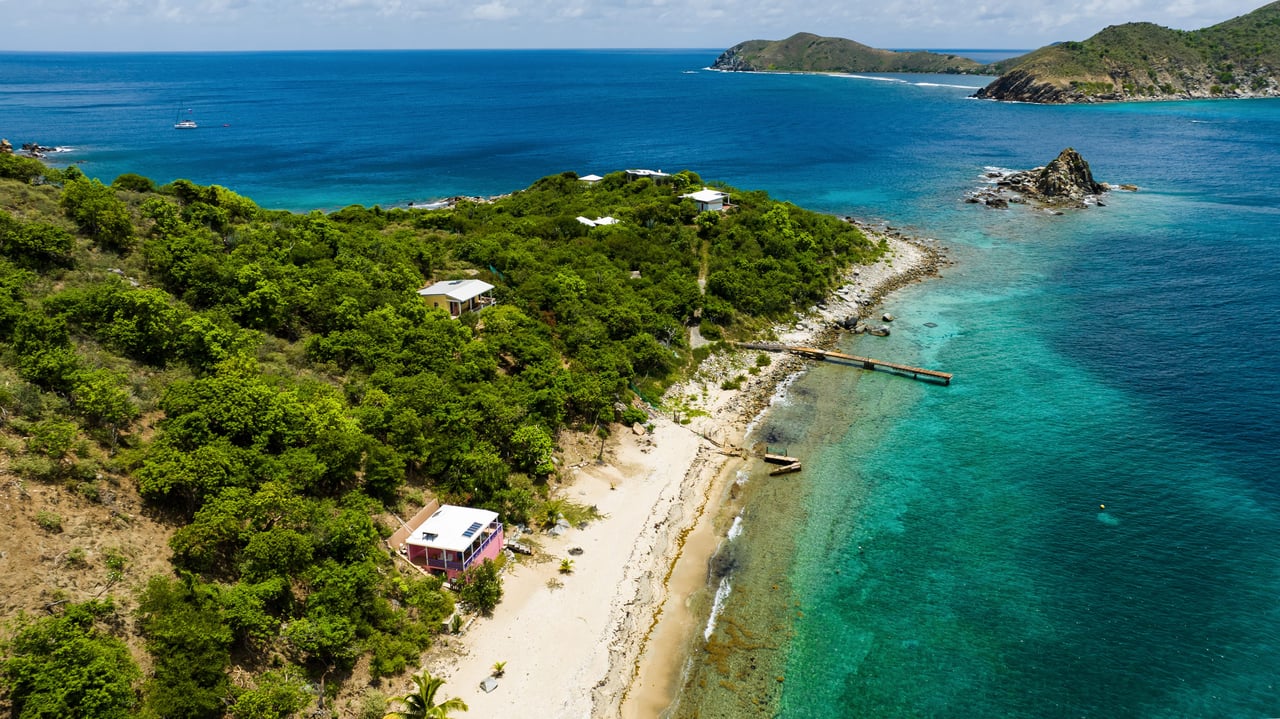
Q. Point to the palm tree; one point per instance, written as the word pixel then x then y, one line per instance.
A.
pixel 421 703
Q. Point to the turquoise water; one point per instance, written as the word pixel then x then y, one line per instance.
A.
pixel 1084 523
pixel 946 551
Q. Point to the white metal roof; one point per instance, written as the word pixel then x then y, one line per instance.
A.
pixel 452 528
pixel 591 178
pixel 648 173
pixel 457 290
pixel 706 195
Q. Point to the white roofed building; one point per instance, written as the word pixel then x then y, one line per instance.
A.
pixel 591 179
pixel 458 296
pixel 709 200
pixel 657 176
pixel 454 539
pixel 601 222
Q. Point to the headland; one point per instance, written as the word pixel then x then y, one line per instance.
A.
pixel 609 639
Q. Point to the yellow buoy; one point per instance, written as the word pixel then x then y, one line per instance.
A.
pixel 1102 506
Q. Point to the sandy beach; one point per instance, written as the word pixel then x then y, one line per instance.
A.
pixel 608 639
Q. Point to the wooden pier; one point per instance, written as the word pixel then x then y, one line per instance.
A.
pixel 788 464
pixel 785 469
pixel 773 458
pixel 865 362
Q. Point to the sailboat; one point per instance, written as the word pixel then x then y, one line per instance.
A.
pixel 187 124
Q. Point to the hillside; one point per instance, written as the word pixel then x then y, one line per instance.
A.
pixel 211 413
pixel 1143 61
pixel 805 52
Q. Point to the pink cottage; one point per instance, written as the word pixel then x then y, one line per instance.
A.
pixel 455 538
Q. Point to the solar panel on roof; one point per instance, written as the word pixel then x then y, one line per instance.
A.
pixel 472 529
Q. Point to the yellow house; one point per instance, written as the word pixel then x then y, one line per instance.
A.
pixel 458 296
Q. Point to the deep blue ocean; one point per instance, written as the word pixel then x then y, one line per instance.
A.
pixel 1086 523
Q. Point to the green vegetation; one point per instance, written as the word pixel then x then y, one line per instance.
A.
pixel 1143 60
pixel 806 52
pixel 49 521
pixel 421 702
pixel 69 664
pixel 480 588
pixel 272 385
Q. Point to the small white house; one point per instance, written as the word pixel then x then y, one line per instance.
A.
pixel 458 296
pixel 657 176
pixel 600 222
pixel 591 179
pixel 709 200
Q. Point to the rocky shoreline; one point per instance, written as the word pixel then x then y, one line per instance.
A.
pixel 30 149
pixel 910 259
pixel 1024 86
pixel 723 399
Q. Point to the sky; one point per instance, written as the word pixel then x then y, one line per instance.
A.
pixel 195 25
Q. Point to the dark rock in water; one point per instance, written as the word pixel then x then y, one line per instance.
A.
pixel 930 324
pixel 1068 176
pixel 32 149
pixel 724 562
pixel 881 331
pixel 887 317
pixel 1067 181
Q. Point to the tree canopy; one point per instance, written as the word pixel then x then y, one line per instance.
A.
pixel 272 383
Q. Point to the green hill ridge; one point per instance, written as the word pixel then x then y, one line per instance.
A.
pixel 806 52
pixel 1144 61
pixel 1238 58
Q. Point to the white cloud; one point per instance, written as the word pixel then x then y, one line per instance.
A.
pixel 495 10
pixel 269 24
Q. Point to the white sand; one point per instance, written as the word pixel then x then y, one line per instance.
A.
pixel 556 640
pixel 604 643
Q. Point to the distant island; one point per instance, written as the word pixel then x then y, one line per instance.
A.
pixel 1135 61
pixel 806 52
pixel 1144 61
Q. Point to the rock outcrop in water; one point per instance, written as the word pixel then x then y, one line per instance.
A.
pixel 1068 178
pixel 1065 182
